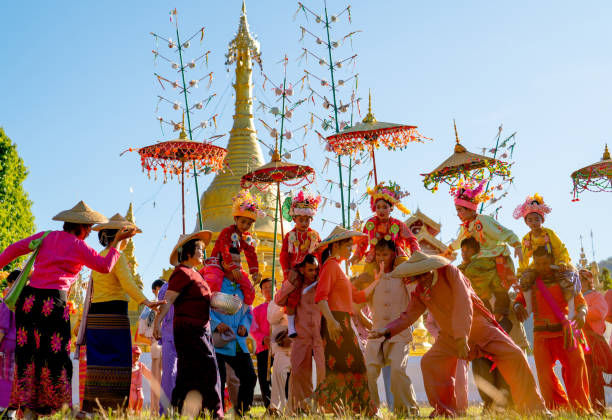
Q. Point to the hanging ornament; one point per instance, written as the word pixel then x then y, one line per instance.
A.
pixel 175 84
pixel 357 161
pixel 176 106
pixel 160 119
pixel 274 133
pixel 186 44
pixel 287 155
pixel 204 124
pixel 199 105
pixel 353 206
pixel 193 83
pixel 339 64
pixel 335 44
pixel 343 124
pixel 318 19
pixel 337 205
pixel 323 83
pixel 278 91
pixel 177 126
pixel 334 18
pixel 289 90
pixel 270 152
pixel 288 113
pixel 319 41
pixel 274 110
pixel 355 181
pixel 328 148
pixel 174 66
pixel 326 103
pixel 171 43
pixel 340 82
pixel 322 62
pixel 288 136
pixel 192 65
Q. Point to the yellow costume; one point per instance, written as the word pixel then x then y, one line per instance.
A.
pixel 533 241
pixel 116 285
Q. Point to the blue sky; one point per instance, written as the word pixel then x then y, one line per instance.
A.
pixel 77 88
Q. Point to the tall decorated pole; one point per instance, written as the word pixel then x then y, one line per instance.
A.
pixel 326 20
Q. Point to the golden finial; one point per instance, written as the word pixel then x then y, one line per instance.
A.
pixel 369 118
pixel 606 155
pixel 243 7
pixel 183 134
pixel 458 147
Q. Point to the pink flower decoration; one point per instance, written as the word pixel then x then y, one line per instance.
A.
pixel 56 342
pixel 22 337
pixel 66 313
pixel 47 307
pixel 28 303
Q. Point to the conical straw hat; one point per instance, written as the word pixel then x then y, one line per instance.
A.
pixel 419 263
pixel 81 213
pixel 338 234
pixel 116 222
pixel 203 235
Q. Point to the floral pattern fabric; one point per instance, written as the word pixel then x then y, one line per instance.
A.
pixel 43 369
pixel 345 387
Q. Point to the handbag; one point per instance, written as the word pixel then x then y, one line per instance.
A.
pixel 82 335
pixel 20 282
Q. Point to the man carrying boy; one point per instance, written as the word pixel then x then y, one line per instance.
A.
pixel 555 338
pixel 308 344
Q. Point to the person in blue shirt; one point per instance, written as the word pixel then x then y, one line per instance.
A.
pixel 235 352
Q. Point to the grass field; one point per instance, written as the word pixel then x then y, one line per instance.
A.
pixel 258 412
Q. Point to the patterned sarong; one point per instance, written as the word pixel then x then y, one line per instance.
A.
pixel 345 388
pixel 109 357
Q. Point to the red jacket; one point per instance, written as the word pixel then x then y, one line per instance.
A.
pixel 230 236
pixel 296 245
pixel 394 230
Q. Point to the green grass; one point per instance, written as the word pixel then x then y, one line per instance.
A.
pixel 258 412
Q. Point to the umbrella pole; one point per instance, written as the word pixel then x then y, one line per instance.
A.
pixel 374 163
pixel 277 206
pixel 183 192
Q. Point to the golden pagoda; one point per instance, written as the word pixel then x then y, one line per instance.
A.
pixel 243 154
pixel 134 308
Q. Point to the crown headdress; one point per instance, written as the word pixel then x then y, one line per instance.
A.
pixel 247 205
pixel 390 192
pixel 533 204
pixel 305 203
pixel 468 194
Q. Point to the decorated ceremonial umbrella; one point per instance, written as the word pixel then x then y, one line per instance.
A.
pixel 596 177
pixel 180 156
pixel 463 164
pixel 371 134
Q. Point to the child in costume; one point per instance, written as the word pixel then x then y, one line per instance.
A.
pixel 297 243
pixel 492 237
pixel 533 211
pixel 246 210
pixel 139 370
pixel 381 226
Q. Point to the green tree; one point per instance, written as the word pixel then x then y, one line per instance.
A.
pixel 605 279
pixel 16 219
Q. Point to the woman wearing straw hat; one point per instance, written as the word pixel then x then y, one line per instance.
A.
pixel 198 386
pixel 467 331
pixel 43 379
pixel 108 336
pixel 345 385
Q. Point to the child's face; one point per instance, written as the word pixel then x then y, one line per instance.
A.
pixel 467 252
pixel 266 290
pixel 464 213
pixel 385 256
pixel 243 223
pixel 383 209
pixel 534 221
pixel 302 223
pixel 309 271
pixel 135 357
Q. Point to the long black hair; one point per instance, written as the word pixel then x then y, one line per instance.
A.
pixel 106 236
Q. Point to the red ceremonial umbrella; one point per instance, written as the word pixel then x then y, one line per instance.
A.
pixel 372 134
pixel 596 177
pixel 180 156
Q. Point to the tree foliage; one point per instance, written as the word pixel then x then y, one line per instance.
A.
pixel 16 219
pixel 605 279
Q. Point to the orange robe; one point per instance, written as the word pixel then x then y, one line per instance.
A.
pixel 548 348
pixel 461 314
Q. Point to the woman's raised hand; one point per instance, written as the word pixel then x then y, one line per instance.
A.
pixel 125 232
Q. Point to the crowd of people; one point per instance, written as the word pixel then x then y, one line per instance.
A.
pixel 323 339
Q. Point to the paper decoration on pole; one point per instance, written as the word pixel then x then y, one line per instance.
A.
pixel 595 178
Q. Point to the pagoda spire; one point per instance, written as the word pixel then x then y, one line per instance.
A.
pixel 243 151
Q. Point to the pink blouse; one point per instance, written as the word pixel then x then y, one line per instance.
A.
pixel 60 259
